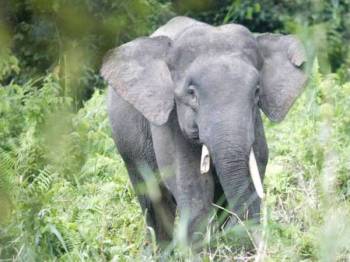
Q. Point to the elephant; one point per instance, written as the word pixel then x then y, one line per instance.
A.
pixel 185 109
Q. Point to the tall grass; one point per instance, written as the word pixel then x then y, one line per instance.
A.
pixel 65 194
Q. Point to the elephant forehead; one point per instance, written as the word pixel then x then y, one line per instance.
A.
pixel 225 75
pixel 235 66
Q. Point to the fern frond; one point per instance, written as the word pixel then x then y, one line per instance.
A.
pixel 41 182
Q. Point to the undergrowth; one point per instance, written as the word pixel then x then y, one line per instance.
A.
pixel 65 194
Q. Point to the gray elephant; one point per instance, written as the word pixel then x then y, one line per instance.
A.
pixel 184 105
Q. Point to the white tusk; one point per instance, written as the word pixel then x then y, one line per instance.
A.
pixel 254 172
pixel 205 160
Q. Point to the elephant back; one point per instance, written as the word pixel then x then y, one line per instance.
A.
pixel 175 26
pixel 207 40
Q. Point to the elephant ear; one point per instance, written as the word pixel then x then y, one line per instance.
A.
pixel 137 71
pixel 282 78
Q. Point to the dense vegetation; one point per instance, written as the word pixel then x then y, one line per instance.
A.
pixel 64 192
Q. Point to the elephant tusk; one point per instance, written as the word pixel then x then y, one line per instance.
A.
pixel 205 160
pixel 254 172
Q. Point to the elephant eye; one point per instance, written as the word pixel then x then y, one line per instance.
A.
pixel 193 102
pixel 257 91
pixel 256 95
pixel 190 90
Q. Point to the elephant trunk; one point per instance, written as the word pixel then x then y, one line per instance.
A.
pixel 234 160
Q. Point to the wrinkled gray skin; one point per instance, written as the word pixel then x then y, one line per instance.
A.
pixel 190 84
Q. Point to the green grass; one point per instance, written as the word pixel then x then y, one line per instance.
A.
pixel 65 195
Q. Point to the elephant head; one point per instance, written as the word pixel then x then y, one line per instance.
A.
pixel 215 79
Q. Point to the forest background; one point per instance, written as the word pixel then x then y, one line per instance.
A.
pixel 64 192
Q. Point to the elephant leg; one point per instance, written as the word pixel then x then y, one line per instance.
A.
pixel 195 196
pixel 156 203
pixel 195 191
pixel 179 164
pixel 132 136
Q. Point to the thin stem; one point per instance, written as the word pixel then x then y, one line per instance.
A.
pixel 240 222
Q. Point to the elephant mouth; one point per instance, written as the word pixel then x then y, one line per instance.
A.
pixel 193 134
pixel 194 137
